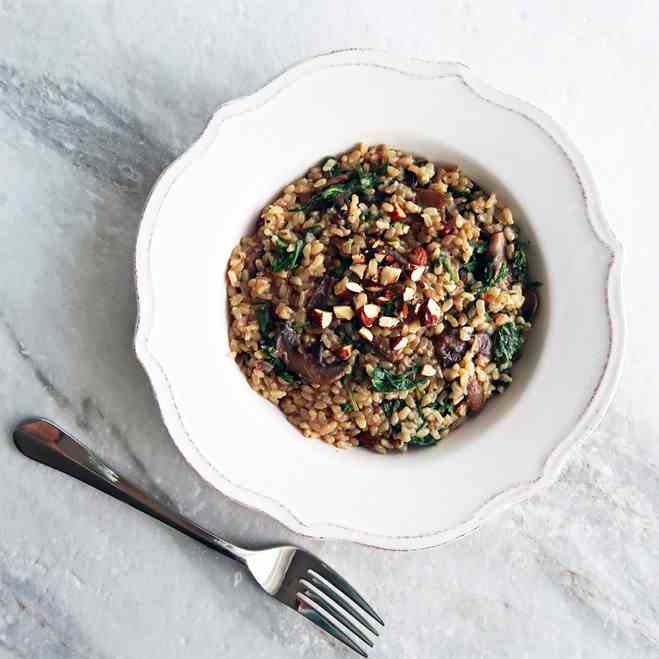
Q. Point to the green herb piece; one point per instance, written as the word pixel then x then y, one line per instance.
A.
pixel 385 381
pixel 264 319
pixel 478 262
pixel 298 327
pixel 458 194
pixel 381 169
pixel 507 340
pixel 428 440
pixel 342 332
pixel 388 308
pixel 340 269
pixel 445 262
pixel 444 405
pixel 491 278
pixel 391 406
pixel 278 366
pixel 358 183
pixel 332 171
pixel 313 230
pixel 285 260
pixel 346 407
pixel 520 264
pixel 495 278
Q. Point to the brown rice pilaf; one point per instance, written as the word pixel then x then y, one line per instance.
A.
pixel 381 300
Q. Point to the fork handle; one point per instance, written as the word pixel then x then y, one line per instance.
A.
pixel 44 442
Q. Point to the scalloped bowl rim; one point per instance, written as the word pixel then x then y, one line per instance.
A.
pixel 590 416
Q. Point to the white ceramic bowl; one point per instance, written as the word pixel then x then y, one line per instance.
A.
pixel 206 200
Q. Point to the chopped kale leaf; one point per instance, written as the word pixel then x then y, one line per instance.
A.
pixel 385 381
pixel 283 259
pixel 507 341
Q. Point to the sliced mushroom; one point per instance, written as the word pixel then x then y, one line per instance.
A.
pixel 425 198
pixel 289 350
pixel 483 344
pixel 339 178
pixel 304 198
pixel 319 298
pixel 531 303
pixel 253 254
pixel 449 348
pixel 322 355
pixel 475 396
pixel 497 250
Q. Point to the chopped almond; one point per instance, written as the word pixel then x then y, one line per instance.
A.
pixel 341 286
pixel 428 371
pixel 372 270
pixel 354 287
pixel 344 312
pixel 430 313
pixel 388 322
pixel 344 352
pixel 369 314
pixel 408 294
pixel 398 343
pixel 389 275
pixel 433 198
pixel 417 273
pixel 359 269
pixel 321 318
pixel 360 300
pixel 385 295
pixel 418 256
pixel 366 333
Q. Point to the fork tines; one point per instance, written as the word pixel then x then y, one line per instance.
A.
pixel 331 603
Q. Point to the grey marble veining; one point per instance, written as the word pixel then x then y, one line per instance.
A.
pixel 95 99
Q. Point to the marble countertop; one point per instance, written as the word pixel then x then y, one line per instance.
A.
pixel 95 99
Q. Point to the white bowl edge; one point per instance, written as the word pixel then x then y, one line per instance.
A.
pixel 591 414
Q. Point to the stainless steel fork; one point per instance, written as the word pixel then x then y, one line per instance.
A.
pixel 295 577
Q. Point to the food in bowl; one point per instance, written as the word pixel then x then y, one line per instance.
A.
pixel 381 300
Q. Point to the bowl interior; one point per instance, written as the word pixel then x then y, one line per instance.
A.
pixel 243 443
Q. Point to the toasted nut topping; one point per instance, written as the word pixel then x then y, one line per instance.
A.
pixel 388 321
pixel 344 312
pixel 344 352
pixel 369 313
pixel 389 275
pixel 430 313
pixel 360 300
pixel 341 287
pixel 321 318
pixel 417 273
pixel 418 256
pixel 366 333
pixel 428 371
pixel 398 343
pixel 372 271
pixel 359 269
